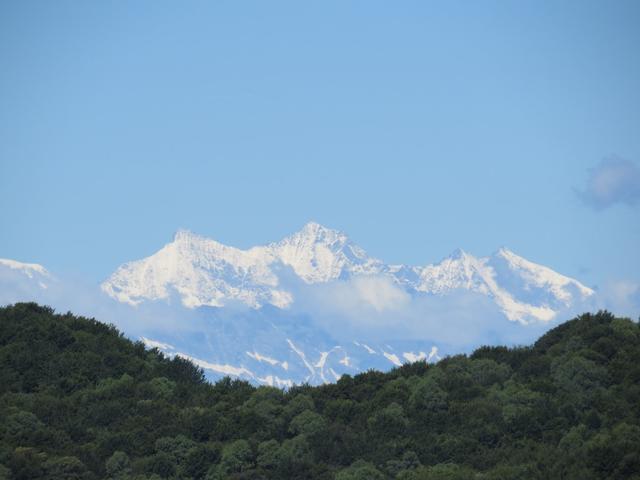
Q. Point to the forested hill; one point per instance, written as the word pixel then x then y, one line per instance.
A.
pixel 80 401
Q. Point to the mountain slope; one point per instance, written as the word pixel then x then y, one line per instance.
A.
pixel 200 272
pixel 319 254
pixel 274 347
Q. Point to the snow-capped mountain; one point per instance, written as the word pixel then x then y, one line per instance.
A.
pixel 523 290
pixel 202 272
pixel 311 307
pixel 275 343
pixel 319 254
pixel 22 281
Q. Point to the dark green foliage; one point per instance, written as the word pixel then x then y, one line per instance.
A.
pixel 80 401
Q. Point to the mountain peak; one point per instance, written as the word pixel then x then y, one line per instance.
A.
pixel 314 226
pixel 205 272
pixel 458 254
pixel 312 235
pixel 539 276
pixel 504 252
pixel 319 254
pixel 183 234
pixel 318 232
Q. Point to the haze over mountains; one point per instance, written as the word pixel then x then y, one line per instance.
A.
pixel 314 305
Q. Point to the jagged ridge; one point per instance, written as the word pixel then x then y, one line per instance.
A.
pixel 202 272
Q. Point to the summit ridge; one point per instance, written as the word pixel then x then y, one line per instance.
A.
pixel 204 272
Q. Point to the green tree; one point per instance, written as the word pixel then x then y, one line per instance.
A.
pixel 161 388
pixel 307 423
pixel 162 464
pixel 5 473
pixel 69 468
pixel 118 465
pixel 428 397
pixel 360 470
pixel 268 457
pixel 236 457
pixel 22 426
pixel 177 447
pixel 389 422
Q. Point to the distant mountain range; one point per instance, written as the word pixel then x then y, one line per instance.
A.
pixel 239 312
pixel 204 272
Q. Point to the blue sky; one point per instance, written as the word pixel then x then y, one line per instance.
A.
pixel 415 127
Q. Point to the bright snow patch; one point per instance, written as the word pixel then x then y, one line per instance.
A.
pixel 433 355
pixel 201 271
pixel 393 358
pixel 367 348
pixel 218 368
pixel 322 360
pixel 302 356
pixel 275 381
pixel 414 357
pixel 262 358
pixel 155 344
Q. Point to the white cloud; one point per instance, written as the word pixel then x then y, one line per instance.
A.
pixel 379 310
pixel 613 180
pixel 370 308
pixel 376 292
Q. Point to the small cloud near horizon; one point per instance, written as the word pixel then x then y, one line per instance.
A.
pixel 614 180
